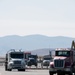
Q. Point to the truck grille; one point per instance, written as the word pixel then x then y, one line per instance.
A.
pixel 17 62
pixel 59 63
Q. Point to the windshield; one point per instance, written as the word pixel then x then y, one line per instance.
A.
pixel 62 53
pixel 17 55
pixel 46 58
pixel 33 56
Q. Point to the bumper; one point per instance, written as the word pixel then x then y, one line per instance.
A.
pixel 16 67
pixel 56 70
pixel 45 63
pixel 32 63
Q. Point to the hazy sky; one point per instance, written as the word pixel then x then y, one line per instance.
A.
pixel 46 17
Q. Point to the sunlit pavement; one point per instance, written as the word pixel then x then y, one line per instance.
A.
pixel 27 72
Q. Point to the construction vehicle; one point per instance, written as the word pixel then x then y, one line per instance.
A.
pixel 15 60
pixel 64 61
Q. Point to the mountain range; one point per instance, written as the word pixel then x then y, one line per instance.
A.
pixel 38 44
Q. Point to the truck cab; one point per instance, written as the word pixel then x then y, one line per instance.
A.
pixel 15 60
pixel 62 62
pixel 32 60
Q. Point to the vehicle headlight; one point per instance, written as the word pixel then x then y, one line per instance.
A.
pixel 10 63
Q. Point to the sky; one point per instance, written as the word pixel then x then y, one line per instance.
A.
pixel 45 17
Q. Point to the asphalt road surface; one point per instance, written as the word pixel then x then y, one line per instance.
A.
pixel 27 72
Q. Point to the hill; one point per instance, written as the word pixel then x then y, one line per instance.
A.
pixel 33 42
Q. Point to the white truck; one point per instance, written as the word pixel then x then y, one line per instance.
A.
pixel 15 60
pixel 63 61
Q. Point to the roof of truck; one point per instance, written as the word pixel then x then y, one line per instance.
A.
pixel 64 49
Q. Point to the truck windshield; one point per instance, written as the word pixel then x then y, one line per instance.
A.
pixel 62 53
pixel 16 55
pixel 33 56
pixel 46 58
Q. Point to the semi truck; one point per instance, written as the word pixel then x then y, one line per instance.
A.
pixel 63 61
pixel 27 54
pixel 32 60
pixel 14 59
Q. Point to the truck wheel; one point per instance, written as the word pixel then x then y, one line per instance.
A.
pixel 36 65
pixel 60 73
pixel 29 64
pixel 50 73
pixel 5 67
pixel 73 69
pixel 21 69
pixel 70 73
pixel 9 69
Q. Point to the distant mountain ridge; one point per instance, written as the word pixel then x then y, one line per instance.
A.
pixel 33 42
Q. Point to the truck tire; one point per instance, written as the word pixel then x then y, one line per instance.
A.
pixel 50 73
pixel 9 69
pixel 21 69
pixel 70 73
pixel 60 73
pixel 36 64
pixel 6 68
pixel 29 63
pixel 73 69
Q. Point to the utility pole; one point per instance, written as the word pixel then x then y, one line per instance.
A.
pixel 50 53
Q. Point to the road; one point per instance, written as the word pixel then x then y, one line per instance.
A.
pixel 27 72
